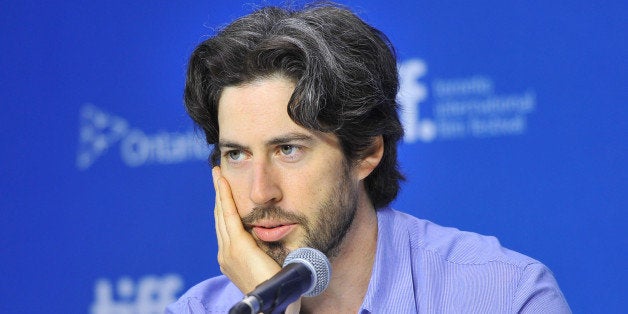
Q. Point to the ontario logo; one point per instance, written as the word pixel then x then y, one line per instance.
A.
pixel 101 132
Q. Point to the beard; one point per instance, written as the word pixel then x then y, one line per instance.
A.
pixel 335 217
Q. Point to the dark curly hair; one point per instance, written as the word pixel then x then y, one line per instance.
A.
pixel 344 69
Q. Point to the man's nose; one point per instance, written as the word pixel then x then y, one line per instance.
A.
pixel 265 187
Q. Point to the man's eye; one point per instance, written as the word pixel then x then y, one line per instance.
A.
pixel 235 155
pixel 288 149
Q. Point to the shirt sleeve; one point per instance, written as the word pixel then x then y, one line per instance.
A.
pixel 538 292
pixel 186 306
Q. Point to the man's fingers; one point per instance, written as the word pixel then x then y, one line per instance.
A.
pixel 221 230
pixel 238 255
pixel 228 224
pixel 232 221
pixel 215 175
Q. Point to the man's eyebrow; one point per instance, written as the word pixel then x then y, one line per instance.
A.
pixel 230 144
pixel 283 139
pixel 290 137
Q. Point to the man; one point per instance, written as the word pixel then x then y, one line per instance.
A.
pixel 300 107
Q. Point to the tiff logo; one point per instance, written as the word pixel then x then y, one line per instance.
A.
pixel 411 94
pixel 151 294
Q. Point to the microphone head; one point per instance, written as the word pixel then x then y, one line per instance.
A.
pixel 318 264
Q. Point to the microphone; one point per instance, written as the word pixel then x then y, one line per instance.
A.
pixel 306 272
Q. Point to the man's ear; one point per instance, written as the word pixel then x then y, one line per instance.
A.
pixel 371 158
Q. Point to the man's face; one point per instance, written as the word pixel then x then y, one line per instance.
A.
pixel 291 186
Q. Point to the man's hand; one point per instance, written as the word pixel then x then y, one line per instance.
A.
pixel 239 256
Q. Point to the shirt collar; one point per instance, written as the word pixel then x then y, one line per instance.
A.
pixel 391 284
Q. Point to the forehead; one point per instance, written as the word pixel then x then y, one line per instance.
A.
pixel 256 113
pixel 267 94
pixel 256 108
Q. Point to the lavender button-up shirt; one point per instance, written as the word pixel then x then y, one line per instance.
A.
pixel 421 267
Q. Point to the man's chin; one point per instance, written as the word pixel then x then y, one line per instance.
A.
pixel 276 250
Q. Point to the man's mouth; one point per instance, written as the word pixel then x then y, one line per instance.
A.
pixel 272 232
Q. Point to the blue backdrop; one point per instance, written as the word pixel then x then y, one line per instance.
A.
pixel 515 114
